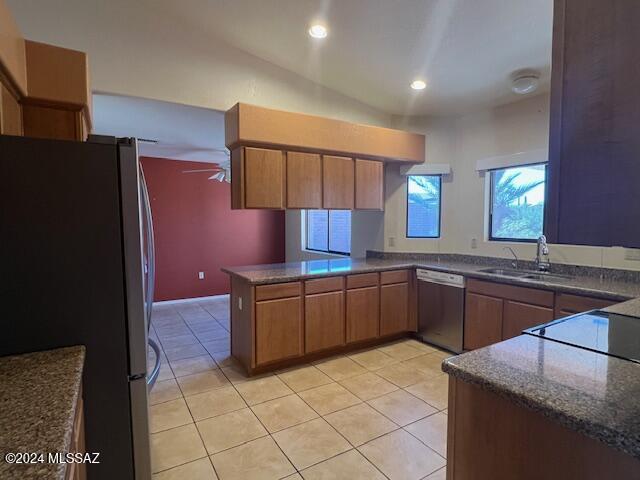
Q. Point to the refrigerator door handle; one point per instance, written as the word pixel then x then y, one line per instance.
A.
pixel 153 376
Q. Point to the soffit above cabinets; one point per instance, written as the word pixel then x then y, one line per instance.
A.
pixel 250 125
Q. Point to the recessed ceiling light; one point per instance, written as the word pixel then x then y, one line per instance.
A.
pixel 318 31
pixel 525 81
pixel 418 84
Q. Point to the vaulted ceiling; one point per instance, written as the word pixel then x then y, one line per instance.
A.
pixel 464 49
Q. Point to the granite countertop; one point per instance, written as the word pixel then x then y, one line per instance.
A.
pixel 589 392
pixel 38 396
pixel 613 284
pixel 631 308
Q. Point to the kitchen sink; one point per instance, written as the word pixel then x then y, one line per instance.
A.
pixel 527 274
pixel 506 272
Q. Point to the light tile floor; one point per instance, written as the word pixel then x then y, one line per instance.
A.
pixel 372 414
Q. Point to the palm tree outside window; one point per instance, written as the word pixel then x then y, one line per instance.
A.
pixel 423 206
pixel 517 203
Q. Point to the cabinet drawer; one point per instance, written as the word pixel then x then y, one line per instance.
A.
pixel 533 296
pixel 278 330
pixel 322 285
pixel 567 304
pixel 362 280
pixel 394 276
pixel 517 316
pixel 277 290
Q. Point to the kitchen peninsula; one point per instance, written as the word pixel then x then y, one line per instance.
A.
pixel 288 313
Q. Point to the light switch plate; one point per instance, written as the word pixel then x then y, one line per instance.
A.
pixel 200 275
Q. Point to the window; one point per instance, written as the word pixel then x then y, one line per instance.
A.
pixel 517 203
pixel 329 231
pixel 423 206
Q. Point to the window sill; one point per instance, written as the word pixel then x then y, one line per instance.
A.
pixel 327 254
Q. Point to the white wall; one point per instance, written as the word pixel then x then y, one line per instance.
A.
pixel 140 51
pixel 461 141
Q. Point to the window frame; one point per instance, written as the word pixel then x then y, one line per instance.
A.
pixel 328 250
pixel 439 207
pixel 491 172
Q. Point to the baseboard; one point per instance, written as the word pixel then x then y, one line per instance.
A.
pixel 187 300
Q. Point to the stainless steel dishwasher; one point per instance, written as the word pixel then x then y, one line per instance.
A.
pixel 441 309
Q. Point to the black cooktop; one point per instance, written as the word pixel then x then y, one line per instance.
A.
pixel 602 332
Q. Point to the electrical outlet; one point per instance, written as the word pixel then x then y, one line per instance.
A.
pixel 632 254
pixel 200 275
pixel 392 241
pixel 474 243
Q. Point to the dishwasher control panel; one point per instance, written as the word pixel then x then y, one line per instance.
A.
pixel 440 277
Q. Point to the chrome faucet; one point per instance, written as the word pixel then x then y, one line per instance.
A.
pixel 514 263
pixel 542 254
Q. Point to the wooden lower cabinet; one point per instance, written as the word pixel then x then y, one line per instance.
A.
pixel 518 316
pixel 567 304
pixel 490 437
pixel 363 314
pixel 482 320
pixel 278 329
pixel 394 303
pixel 324 321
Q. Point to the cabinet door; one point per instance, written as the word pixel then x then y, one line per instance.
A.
pixel 304 180
pixel 263 178
pixel 324 323
pixel 337 182
pixel 394 302
pixel 278 329
pixel 518 316
pixel 594 146
pixel 363 310
pixel 482 321
pixel 369 185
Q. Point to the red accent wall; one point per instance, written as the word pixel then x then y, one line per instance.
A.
pixel 196 230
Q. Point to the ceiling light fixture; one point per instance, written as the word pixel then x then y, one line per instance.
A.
pixel 418 84
pixel 525 81
pixel 318 31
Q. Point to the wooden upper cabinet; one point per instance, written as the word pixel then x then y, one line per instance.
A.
pixel 10 113
pixel 304 180
pixel 13 62
pixel 263 173
pixel 58 101
pixel 338 177
pixel 593 171
pixel 369 185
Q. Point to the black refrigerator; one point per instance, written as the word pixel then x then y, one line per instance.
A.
pixel 76 247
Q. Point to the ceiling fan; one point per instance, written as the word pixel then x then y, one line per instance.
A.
pixel 218 157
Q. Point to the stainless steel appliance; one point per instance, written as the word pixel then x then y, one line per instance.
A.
pixel 602 332
pixel 77 262
pixel 441 309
